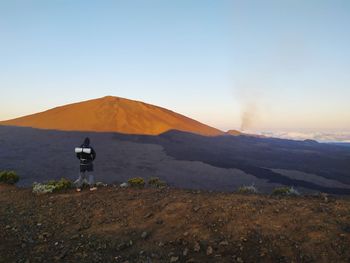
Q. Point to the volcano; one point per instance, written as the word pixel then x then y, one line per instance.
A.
pixel 113 114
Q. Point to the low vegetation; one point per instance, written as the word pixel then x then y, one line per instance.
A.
pixel 156 182
pixel 251 189
pixel 101 184
pixel 52 186
pixel 285 191
pixel 137 182
pixel 8 177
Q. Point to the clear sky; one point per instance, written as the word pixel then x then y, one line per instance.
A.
pixel 271 65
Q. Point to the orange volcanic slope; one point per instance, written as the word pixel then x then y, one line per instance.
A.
pixel 112 114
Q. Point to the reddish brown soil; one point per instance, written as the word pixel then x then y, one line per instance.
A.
pixel 107 226
pixel 113 114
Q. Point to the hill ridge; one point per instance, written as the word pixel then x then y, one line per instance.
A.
pixel 113 114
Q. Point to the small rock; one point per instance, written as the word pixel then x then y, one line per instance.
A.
pixel 154 255
pixel 144 235
pixel 209 251
pixel 196 208
pixel 148 215
pixel 75 236
pixel 101 184
pixel 223 243
pixel 324 197
pixel 124 185
pixel 46 234
pixel 63 253
pixel 186 234
pixel 160 244
pixel 159 221
pixel 121 246
pixel 243 239
pixel 197 247
pixel 191 260
pixel 185 252
pixel 174 259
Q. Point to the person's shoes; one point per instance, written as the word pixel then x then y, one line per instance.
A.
pixel 93 188
pixel 78 190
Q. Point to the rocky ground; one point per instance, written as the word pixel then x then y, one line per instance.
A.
pixel 169 225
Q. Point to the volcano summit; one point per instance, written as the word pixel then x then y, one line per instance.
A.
pixel 113 114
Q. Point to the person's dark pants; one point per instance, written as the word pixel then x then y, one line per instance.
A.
pixel 83 176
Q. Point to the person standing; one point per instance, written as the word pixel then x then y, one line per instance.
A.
pixel 86 154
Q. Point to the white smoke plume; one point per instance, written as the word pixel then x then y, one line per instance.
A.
pixel 249 116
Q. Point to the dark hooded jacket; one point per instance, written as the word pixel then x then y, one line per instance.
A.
pixel 86 159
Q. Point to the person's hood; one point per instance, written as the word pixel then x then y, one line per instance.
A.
pixel 86 142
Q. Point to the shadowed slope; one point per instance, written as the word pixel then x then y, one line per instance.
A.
pixel 112 114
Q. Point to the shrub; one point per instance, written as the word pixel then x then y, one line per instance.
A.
pixel 136 182
pixel 293 191
pixel 42 188
pixel 285 191
pixel 248 190
pixel 52 186
pixel 9 177
pixel 62 184
pixel 156 182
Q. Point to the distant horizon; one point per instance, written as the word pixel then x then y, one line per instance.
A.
pixel 261 66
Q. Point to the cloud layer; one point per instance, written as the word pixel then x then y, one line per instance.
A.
pixel 318 136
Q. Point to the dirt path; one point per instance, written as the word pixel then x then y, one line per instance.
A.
pixel 150 225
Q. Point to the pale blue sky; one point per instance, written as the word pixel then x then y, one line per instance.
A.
pixel 282 65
